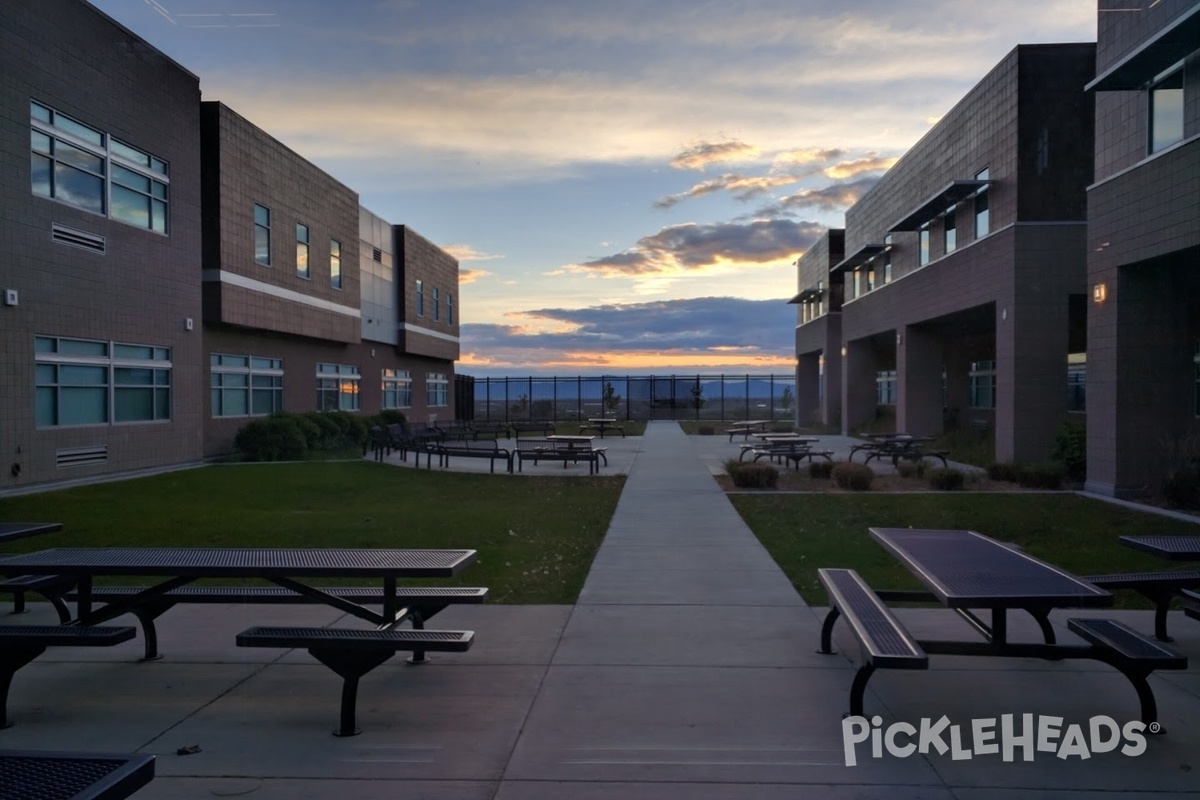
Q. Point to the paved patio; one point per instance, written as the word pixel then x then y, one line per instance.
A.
pixel 686 670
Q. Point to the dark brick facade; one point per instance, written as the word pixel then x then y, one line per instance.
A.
pixel 819 332
pixel 426 328
pixel 145 287
pixel 1143 248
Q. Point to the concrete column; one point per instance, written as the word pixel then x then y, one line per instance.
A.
pixel 1031 377
pixel 918 382
pixel 958 381
pixel 858 384
pixel 831 394
pixel 808 387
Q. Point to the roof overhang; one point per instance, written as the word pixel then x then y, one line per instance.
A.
pixel 864 254
pixel 806 295
pixel 948 196
pixel 1169 46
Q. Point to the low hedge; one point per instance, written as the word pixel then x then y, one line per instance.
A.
pixel 945 479
pixel 753 475
pixel 855 477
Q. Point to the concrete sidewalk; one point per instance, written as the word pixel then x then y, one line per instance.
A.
pixel 686 670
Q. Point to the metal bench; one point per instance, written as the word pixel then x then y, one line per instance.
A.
pixel 67 775
pixel 884 642
pixel 456 429
pixel 486 448
pixel 1157 587
pixel 20 644
pixel 1134 654
pixel 545 428
pixel 536 450
pixel 354 653
pixel 419 602
pixel 50 587
pixel 792 453
pixel 493 428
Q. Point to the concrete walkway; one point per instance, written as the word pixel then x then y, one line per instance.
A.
pixel 686 670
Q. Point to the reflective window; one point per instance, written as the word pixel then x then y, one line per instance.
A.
pixel 449 308
pixel 1166 110
pixel 81 166
pixel 78 382
pixel 437 389
pixel 420 299
pixel 885 387
pixel 243 386
pixel 983 384
pixel 951 237
pixel 302 269
pixel 923 257
pixel 262 235
pixel 982 218
pixel 337 387
pixel 335 263
pixel 437 308
pixel 397 388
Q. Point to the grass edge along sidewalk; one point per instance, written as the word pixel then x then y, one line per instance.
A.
pixel 806 532
pixel 536 537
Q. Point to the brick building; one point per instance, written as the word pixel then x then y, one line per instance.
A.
pixel 964 269
pixel 819 332
pixel 1144 249
pixel 171 270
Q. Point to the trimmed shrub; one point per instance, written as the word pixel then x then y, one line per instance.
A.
pixel 856 477
pixel 274 438
pixel 308 427
pixel 1043 475
pixel 389 416
pixel 910 469
pixel 1005 472
pixel 945 479
pixel 820 469
pixel 1070 449
pixel 329 431
pixel 752 475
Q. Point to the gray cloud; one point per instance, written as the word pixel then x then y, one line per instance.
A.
pixel 689 247
pixel 836 197
pixel 700 155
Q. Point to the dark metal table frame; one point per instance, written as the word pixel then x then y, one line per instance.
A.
pixel 12 531
pixel 1171 548
pixel 49 775
pixel 967 571
pixel 281 566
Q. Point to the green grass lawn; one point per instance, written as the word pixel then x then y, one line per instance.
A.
pixel 536 536
pixel 805 532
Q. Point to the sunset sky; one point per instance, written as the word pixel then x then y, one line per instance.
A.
pixel 626 183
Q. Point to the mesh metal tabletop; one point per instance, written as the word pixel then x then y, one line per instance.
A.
pixel 11 531
pixel 965 569
pixel 35 775
pixel 240 562
pixel 1174 548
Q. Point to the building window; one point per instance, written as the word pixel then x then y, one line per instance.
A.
pixel 982 218
pixel 84 167
pixel 820 298
pixel 337 387
pixel 885 387
pixel 1166 109
pixel 437 308
pixel 262 235
pixel 871 279
pixel 397 388
pixel 855 284
pixel 243 386
pixel 951 236
pixel 1077 382
pixel 335 263
pixel 923 258
pixel 887 259
pixel 449 308
pixel 420 299
pixel 983 384
pixel 302 269
pixel 86 382
pixel 437 389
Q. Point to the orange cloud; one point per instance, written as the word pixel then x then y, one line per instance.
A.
pixel 868 163
pixel 466 276
pixel 700 155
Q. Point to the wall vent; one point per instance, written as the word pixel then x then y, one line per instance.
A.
pixel 76 238
pixel 81 456
pixel 377 255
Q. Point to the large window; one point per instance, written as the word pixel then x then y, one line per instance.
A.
pixel 243 386
pixel 262 235
pixel 885 387
pixel 1077 382
pixel 951 232
pixel 88 382
pixel 887 259
pixel 437 389
pixel 449 308
pixel 397 388
pixel 337 387
pixel 437 308
pixel 923 258
pixel 983 384
pixel 302 268
pixel 335 263
pixel 982 217
pixel 420 298
pixel 84 167
pixel 1166 109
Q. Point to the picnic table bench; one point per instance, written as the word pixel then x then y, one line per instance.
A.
pixel 419 603
pixel 455 429
pixel 964 570
pixel 493 428
pixel 565 450
pixel 20 644
pixel 1161 586
pixel 18 585
pixel 602 426
pixel 468 448
pixel 352 653
pixel 67 775
pixel 787 451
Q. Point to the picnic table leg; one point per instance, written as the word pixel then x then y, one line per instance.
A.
pixel 350 667
pixel 827 631
pixel 859 687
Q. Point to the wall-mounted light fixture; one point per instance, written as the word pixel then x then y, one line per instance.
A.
pixel 843 352
pixel 1099 292
pixel 899 338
